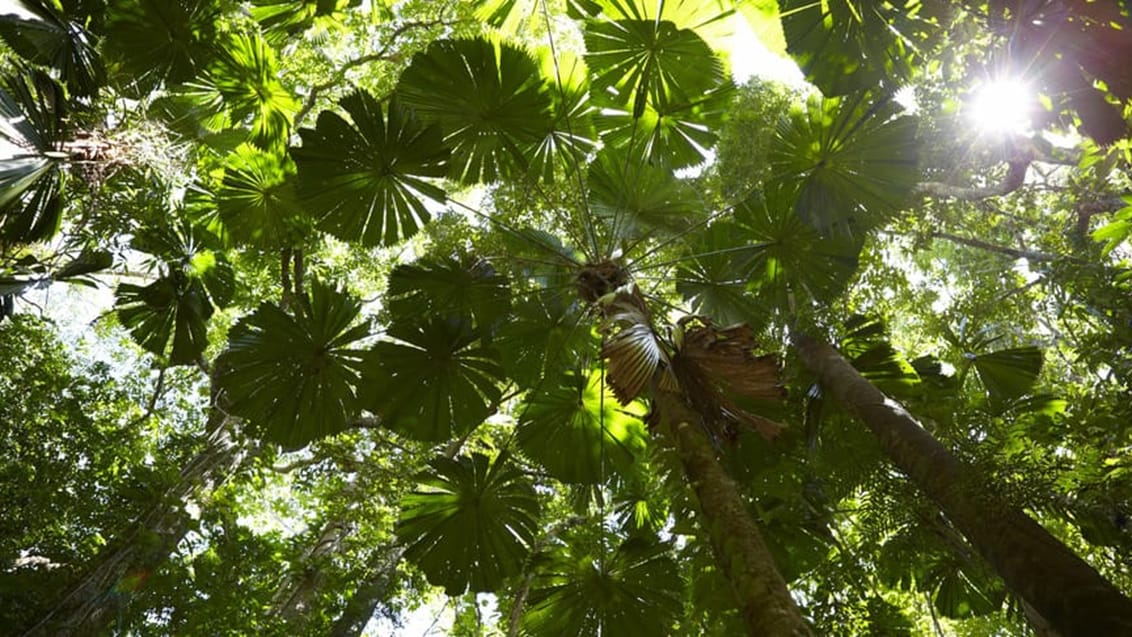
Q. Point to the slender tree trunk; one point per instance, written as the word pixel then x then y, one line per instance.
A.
pixel 373 590
pixel 764 601
pixel 93 601
pixel 1057 584
pixel 294 598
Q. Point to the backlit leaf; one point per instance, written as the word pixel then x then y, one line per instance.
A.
pixel 434 379
pixel 364 180
pixel 855 162
pixel 635 591
pixel 256 200
pixel 849 45
pixel 296 377
pixel 470 523
pixel 577 411
pixel 490 99
pixel 245 80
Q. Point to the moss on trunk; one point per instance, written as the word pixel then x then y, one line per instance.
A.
pixel 761 594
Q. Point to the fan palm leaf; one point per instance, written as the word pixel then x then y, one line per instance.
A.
pixel 363 180
pixel 296 377
pixel 470 522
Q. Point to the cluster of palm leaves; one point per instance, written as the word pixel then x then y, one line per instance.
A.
pixel 571 336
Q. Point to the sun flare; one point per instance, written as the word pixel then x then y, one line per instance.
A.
pixel 1002 106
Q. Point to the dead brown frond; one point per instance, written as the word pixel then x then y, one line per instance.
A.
pixel 713 364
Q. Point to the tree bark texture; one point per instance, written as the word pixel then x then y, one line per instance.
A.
pixel 1060 586
pixel 371 592
pixel 1015 177
pixel 295 597
pixel 93 601
pixel 763 599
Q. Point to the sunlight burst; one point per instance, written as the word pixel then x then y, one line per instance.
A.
pixel 1002 106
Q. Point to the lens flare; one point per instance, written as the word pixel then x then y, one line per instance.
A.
pixel 1002 106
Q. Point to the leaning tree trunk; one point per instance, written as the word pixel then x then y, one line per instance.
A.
pixel 373 590
pixel 763 599
pixel 295 597
pixel 1060 586
pixel 93 601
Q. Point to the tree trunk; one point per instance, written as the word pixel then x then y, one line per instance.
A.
pixel 92 602
pixel 294 597
pixel 372 591
pixel 1061 587
pixel 763 599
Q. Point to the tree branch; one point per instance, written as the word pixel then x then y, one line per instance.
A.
pixel 285 277
pixel 300 270
pixel 1015 177
pixel 158 389
pixel 386 53
pixel 1030 255
pixel 296 465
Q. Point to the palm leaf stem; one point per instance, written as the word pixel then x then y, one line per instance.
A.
pixel 569 129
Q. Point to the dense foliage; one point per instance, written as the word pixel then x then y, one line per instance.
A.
pixel 323 316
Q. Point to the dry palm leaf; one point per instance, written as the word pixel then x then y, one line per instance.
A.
pixel 713 363
pixel 635 352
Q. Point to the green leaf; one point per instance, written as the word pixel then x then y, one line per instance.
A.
pixel 491 100
pixel 509 16
pixel 179 304
pixel 709 279
pixel 196 112
pixel 677 135
pixel 1115 232
pixel 31 190
pixel 788 257
pixel 88 262
pixel 638 199
pixel 470 523
pixel 764 19
pixel 546 334
pixel 193 252
pixel 650 63
pixel 568 138
pixel 33 119
pixel 257 201
pixel 448 287
pixel 579 413
pixel 709 19
pixel 433 379
pixel 1009 373
pixel 51 39
pixel 886 368
pixel 174 305
pixel 296 377
pixel 636 591
pixel 849 45
pixel 964 591
pixel 866 345
pixel 34 110
pixel 364 181
pixel 662 89
pixel 778 258
pixel 292 16
pixel 856 163
pixel 153 41
pixel 245 80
